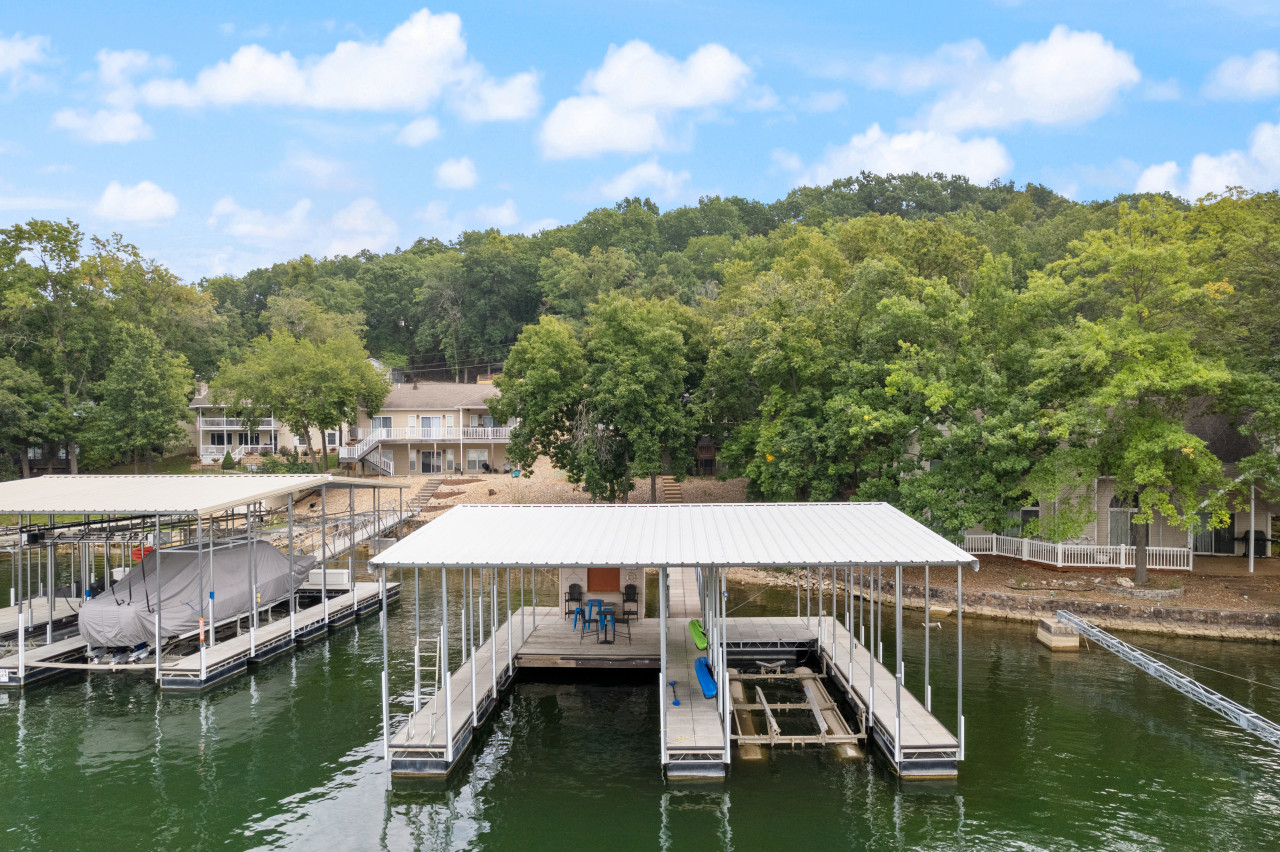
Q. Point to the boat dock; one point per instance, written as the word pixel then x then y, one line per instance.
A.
pixel 693 734
pixel 216 662
pixel 597 548
pixel 35 615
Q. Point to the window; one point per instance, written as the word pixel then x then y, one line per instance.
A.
pixel 35 453
pixel 62 453
pixel 1121 528
pixel 413 463
pixel 217 439
pixel 477 459
pixel 475 420
pixel 383 422
pixel 331 439
pixel 486 422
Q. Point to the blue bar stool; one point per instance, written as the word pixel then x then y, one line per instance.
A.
pixel 579 612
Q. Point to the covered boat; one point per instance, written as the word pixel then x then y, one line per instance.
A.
pixel 124 614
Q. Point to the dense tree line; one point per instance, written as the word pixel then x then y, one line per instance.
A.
pixel 960 350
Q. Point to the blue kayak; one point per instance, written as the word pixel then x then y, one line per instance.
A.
pixel 705 679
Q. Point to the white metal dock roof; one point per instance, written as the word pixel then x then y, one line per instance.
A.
pixel 739 534
pixel 151 495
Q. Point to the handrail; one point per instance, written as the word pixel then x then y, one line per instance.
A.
pixel 1064 555
pixel 1193 689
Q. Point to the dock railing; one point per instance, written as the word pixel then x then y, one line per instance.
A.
pixel 1064 555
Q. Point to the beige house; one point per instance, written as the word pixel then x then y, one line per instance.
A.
pixel 1110 525
pixel 214 434
pixel 429 427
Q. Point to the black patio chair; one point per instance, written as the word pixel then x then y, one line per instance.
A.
pixel 572 599
pixel 630 600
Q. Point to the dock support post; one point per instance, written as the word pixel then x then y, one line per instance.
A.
pixel 204 671
pixel 22 615
pixel 442 665
pixel 808 595
pixel 159 596
pixel 351 536
pixel 880 614
pixel 253 574
pixel 928 689
pixel 848 619
pixel 523 632
pixel 820 643
pixel 662 662
pixel 1253 493
pixel 293 561
pixel 871 669
pixel 469 618
pixel 53 551
pixel 386 697
pixel 960 658
pixel 726 704
pixel 510 649
pixel 862 612
pixel 897 660
pixel 417 645
pixel 324 553
pixel 797 595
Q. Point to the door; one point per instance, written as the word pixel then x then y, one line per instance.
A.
pixel 1203 541
pixel 603 579
pixel 431 427
pixel 448 461
pixel 1224 540
pixel 430 461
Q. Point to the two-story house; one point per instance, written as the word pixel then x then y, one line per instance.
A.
pixel 429 427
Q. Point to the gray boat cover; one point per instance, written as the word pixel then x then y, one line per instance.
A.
pixel 125 614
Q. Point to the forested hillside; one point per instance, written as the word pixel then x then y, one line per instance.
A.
pixel 959 350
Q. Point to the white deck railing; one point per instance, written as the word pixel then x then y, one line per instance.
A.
pixel 209 423
pixel 368 439
pixel 1062 555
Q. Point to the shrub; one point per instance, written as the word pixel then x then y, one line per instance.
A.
pixel 228 463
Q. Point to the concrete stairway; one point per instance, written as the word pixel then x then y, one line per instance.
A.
pixel 417 501
pixel 670 490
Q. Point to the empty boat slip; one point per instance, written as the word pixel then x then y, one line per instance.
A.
pixel 691 546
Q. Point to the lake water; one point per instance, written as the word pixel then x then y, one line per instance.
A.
pixel 1063 751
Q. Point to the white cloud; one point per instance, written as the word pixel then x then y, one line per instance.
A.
pixel 141 203
pixel 437 221
pixel 17 52
pixel 360 225
pixel 259 228
pixel 1257 168
pixel 981 160
pixel 418 132
pixel 1246 78
pixel 661 183
pixel 105 125
pixel 1068 78
pixel 627 104
pixel 419 63
pixel 459 173
pixel 317 171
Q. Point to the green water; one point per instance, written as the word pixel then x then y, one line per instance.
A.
pixel 1063 752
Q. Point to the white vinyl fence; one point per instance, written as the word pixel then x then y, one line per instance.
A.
pixel 1076 555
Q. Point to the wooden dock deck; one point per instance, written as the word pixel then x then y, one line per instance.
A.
pixel 682 583
pixel 36 612
pixel 693 733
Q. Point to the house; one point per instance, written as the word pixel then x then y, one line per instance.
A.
pixel 429 427
pixel 1110 532
pixel 214 434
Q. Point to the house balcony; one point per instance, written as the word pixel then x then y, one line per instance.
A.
pixel 367 439
pixel 214 424
pixel 210 453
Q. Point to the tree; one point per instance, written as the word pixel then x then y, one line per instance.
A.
pixel 608 407
pixel 25 404
pixel 306 386
pixel 143 403
pixel 58 316
pixel 1119 380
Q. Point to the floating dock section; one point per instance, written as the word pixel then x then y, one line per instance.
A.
pixel 691 546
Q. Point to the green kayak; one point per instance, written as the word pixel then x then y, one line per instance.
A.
pixel 699 638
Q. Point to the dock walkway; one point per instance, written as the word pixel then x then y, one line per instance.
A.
pixel 36 613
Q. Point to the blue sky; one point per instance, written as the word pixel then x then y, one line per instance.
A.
pixel 222 139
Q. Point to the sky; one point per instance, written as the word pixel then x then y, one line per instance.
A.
pixel 221 137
